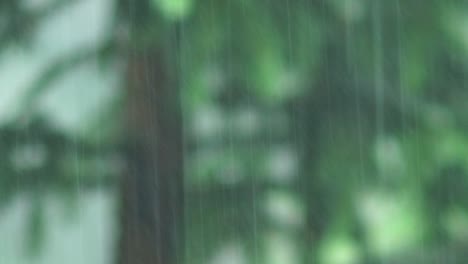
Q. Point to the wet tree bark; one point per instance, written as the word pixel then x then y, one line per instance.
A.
pixel 152 187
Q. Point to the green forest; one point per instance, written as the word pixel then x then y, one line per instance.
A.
pixel 233 131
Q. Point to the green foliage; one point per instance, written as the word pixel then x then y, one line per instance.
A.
pixel 173 9
pixel 371 97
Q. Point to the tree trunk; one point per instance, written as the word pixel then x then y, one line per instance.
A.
pixel 152 188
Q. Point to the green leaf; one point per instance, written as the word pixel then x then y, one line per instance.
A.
pixel 339 247
pixel 174 9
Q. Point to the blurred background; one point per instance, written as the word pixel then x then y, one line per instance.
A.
pixel 233 131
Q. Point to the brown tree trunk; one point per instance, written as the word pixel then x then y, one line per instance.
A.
pixel 152 188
